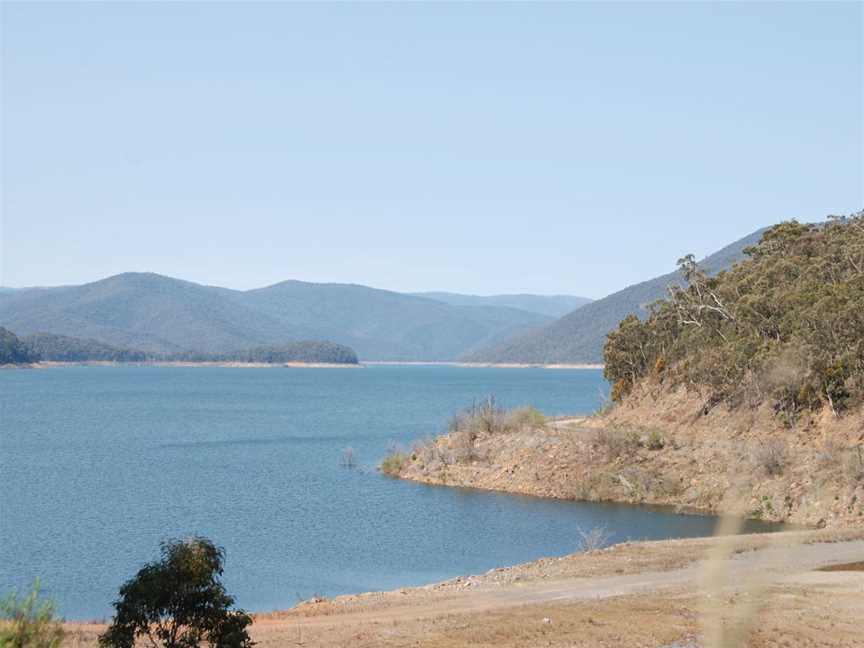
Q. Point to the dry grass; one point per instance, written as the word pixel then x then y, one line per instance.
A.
pixel 790 617
pixel 488 418
pixel 615 444
pixel 526 418
pixel 772 457
pixel 853 465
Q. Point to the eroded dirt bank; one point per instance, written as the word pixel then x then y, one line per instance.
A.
pixel 658 448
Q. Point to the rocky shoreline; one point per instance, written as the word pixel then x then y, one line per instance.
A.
pixel 653 450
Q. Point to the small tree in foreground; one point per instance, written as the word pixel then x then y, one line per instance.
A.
pixel 179 602
pixel 29 622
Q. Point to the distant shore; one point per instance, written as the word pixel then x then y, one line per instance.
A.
pixel 48 364
pixel 492 365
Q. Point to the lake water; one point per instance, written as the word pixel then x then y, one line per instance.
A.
pixel 98 464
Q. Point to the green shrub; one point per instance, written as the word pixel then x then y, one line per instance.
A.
pixel 29 622
pixel 394 463
pixel 833 386
pixel 655 440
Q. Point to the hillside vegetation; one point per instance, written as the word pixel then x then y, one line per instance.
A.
pixel 579 336
pixel 62 348
pixel 784 326
pixel 161 315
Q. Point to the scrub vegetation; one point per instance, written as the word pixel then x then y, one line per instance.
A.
pixel 29 621
pixel 468 437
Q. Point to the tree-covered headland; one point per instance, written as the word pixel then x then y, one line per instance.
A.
pixel 784 326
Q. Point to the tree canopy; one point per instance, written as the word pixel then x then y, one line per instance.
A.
pixel 179 602
pixel 785 325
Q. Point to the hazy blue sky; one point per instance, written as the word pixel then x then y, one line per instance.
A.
pixel 474 147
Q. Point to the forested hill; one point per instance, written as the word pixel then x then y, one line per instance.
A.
pixel 63 348
pixel 785 326
pixel 161 315
pixel 579 336
pixel 303 351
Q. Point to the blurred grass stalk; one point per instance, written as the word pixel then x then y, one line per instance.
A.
pixel 731 628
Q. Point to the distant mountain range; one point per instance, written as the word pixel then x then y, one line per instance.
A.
pixel 157 314
pixel 579 336
pixel 551 305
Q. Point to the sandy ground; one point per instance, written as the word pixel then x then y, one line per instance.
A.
pixel 670 593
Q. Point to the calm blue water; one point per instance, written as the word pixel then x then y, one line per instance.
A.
pixel 100 464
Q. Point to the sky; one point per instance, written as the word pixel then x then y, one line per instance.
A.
pixel 484 148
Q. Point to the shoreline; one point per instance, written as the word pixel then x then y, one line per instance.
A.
pixel 578 597
pixel 483 365
pixel 49 364
pixel 52 364
pixel 651 451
